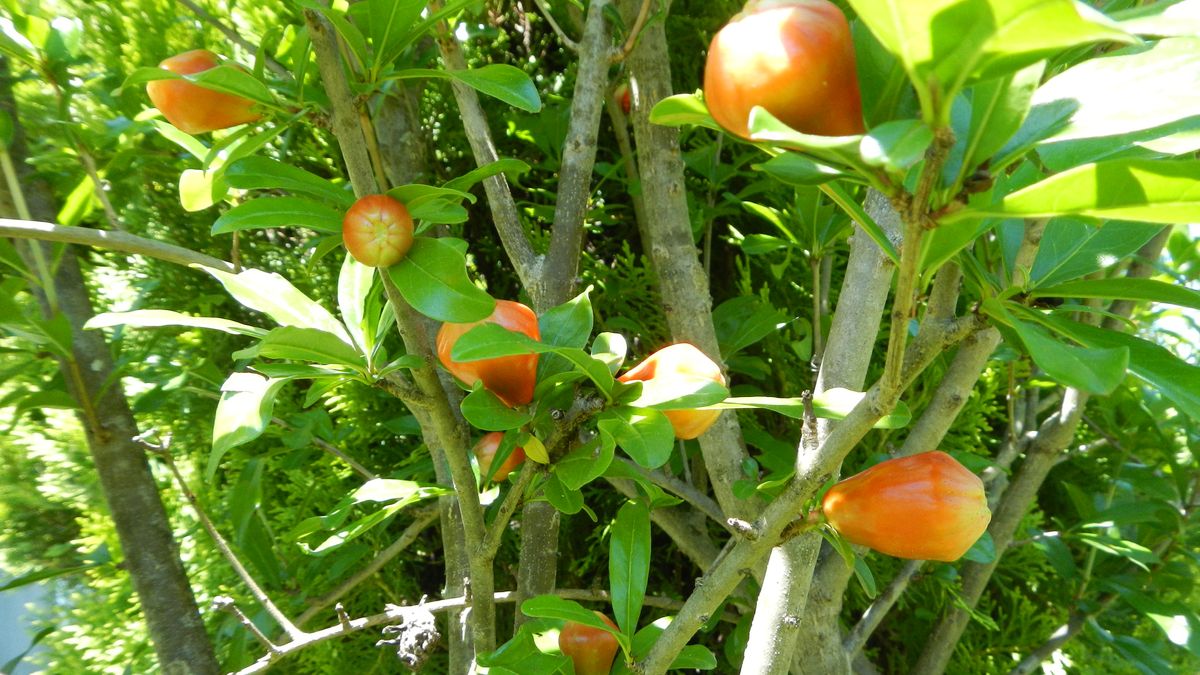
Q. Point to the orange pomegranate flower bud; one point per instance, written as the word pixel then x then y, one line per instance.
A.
pixel 922 507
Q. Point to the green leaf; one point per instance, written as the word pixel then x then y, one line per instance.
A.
pixel 743 321
pixel 983 551
pixel 569 324
pixel 794 168
pixel 468 180
pixel 629 563
pixel 566 501
pixel 389 22
pixel 349 32
pixel 148 318
pixel 521 654
pixel 483 410
pixel 489 341
pixel 866 579
pixel 354 285
pixel 243 413
pixel 1153 191
pixel 554 607
pixel 835 403
pixel 691 657
pixel 200 189
pixel 645 435
pixel 1057 553
pixel 765 127
pixel 1132 551
pixel 507 83
pixel 276 297
pixel 1165 372
pixel 433 279
pixel 683 109
pixel 860 216
pixel 1135 89
pixel 1123 289
pixel 1097 371
pixel 611 350
pixel 946 45
pixel 680 393
pixel 308 344
pixel 584 463
pixel 279 212
pixel 1071 248
pixel 895 146
pixel 998 108
pixel 260 173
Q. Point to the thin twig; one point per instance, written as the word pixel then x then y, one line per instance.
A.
pixel 702 502
pixel 162 451
pixel 235 37
pixel 566 40
pixel 108 239
pixel 410 534
pixel 515 496
pixel 395 613
pixel 631 41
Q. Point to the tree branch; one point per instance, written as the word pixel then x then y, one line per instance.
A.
pixel 406 538
pixel 235 37
pixel 111 240
pixel 556 282
pixel 520 252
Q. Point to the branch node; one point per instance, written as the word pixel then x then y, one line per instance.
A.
pixel 743 528
pixel 343 617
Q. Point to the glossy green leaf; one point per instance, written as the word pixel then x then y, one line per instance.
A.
pixel 1122 288
pixel 243 413
pixel 584 463
pixel 1097 371
pixel 569 324
pixel 1165 372
pixel 433 279
pixel 564 500
pixel 611 350
pixel 1071 248
pixel 388 22
pixel 691 657
pixel 681 110
pixel 895 146
pixel 859 215
pixel 796 169
pixel 629 563
pixel 260 173
pixel 483 410
pixel 507 83
pixel 645 435
pixel 1153 191
pixel 307 344
pixel 1135 89
pixel 833 403
pixel 998 109
pixel 224 78
pixel 354 285
pixel 150 318
pixel 279 212
pixel 743 321
pixel 469 179
pixel 948 44
pixel 276 297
